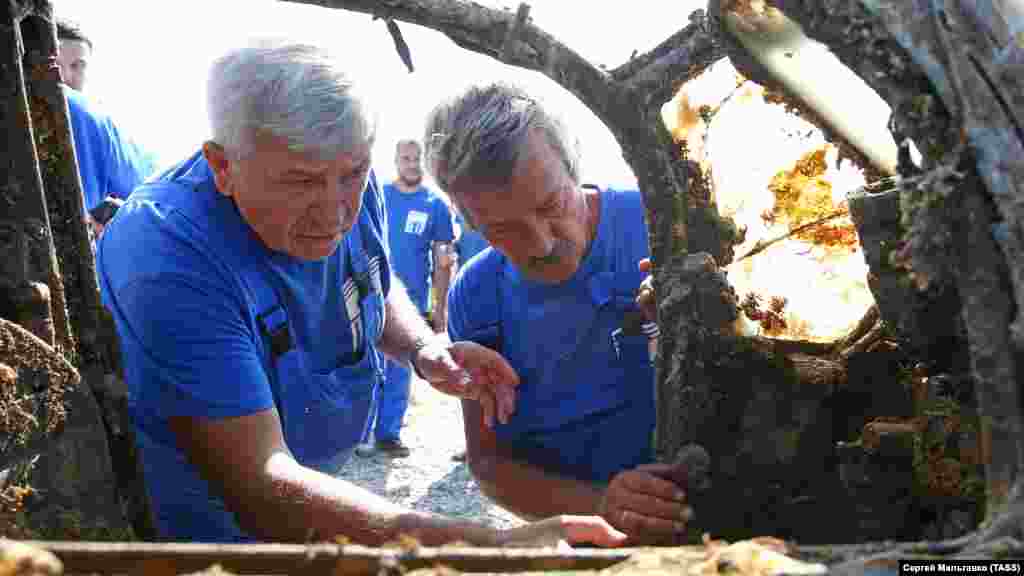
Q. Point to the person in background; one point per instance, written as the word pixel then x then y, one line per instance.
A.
pixel 420 233
pixel 110 164
pixel 74 55
pixel 557 297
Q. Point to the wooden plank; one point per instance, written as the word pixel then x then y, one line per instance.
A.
pixel 175 558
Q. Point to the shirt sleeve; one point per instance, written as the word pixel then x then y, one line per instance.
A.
pixel 189 340
pixel 199 357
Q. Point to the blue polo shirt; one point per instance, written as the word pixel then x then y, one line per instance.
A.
pixel 415 220
pixel 215 325
pixel 585 403
pixel 109 163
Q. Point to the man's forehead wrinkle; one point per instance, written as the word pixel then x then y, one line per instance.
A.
pixel 298 159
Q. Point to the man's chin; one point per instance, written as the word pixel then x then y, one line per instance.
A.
pixel 548 274
pixel 315 248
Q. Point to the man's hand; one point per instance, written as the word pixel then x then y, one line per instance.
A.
pixel 94 227
pixel 473 372
pixel 562 531
pixel 645 295
pixel 646 505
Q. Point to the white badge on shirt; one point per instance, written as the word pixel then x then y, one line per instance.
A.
pixel 415 222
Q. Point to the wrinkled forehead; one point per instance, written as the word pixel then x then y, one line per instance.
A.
pixel 74 49
pixel 408 149
pixel 537 179
pixel 281 155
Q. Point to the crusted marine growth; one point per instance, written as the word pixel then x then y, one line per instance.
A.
pixel 16 493
pixel 33 383
pixel 70 524
pixel 16 418
pixel 55 151
pixel 929 250
pixel 938 450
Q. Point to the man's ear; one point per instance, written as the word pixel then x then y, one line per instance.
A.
pixel 220 165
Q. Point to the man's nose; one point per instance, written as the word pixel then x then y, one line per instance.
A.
pixel 333 201
pixel 539 239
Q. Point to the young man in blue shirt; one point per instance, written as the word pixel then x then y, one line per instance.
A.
pixel 420 234
pixel 252 293
pixel 74 55
pixel 110 164
pixel 556 296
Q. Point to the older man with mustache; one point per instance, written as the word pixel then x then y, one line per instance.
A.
pixel 557 295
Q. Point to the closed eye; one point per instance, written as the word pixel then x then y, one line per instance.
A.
pixel 497 231
pixel 300 178
pixel 552 207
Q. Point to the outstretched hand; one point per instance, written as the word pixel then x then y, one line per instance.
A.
pixel 473 372
pixel 562 531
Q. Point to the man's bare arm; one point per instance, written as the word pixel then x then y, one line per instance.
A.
pixel 642 502
pixel 404 329
pixel 515 484
pixel 274 497
pixel 444 267
pixel 463 369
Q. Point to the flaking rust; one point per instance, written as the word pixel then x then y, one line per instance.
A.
pixel 26 359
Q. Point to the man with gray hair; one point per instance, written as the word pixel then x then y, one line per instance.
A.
pixel 253 296
pixel 556 295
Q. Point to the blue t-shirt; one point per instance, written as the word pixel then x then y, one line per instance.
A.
pixel 585 403
pixel 215 325
pixel 470 242
pixel 109 163
pixel 416 220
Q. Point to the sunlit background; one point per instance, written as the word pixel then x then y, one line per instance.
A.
pixel 150 61
pixel 149 70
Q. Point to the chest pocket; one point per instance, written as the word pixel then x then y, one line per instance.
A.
pixel 324 414
pixel 614 342
pixel 632 340
pixel 590 358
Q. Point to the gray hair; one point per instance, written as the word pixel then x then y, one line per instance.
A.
pixel 481 134
pixel 408 142
pixel 294 91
